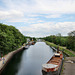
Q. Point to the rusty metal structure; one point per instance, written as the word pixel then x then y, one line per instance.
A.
pixel 53 66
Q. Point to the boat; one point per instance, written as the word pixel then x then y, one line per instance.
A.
pixel 53 66
pixel 26 47
pixel 33 43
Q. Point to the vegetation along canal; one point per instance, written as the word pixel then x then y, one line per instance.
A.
pixel 29 61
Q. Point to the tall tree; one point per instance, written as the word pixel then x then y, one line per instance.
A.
pixel 10 38
pixel 71 41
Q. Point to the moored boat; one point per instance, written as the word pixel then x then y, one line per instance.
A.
pixel 26 47
pixel 53 66
pixel 33 43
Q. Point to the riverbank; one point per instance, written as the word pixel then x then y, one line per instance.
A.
pixel 25 63
pixel 66 51
pixel 8 58
pixel 68 67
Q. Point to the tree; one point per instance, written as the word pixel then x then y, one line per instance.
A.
pixel 59 38
pixel 10 38
pixel 71 41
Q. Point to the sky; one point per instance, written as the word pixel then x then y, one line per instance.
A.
pixel 39 18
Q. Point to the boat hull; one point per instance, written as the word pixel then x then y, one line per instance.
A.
pixel 57 72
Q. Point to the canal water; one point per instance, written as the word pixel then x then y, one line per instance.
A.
pixel 29 61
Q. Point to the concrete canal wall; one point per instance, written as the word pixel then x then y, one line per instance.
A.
pixel 8 58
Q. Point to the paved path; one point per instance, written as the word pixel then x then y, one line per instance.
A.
pixel 69 66
pixel 7 57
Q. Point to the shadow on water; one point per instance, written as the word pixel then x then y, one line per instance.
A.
pixel 12 66
pixel 29 62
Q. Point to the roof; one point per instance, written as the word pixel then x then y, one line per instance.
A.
pixel 49 65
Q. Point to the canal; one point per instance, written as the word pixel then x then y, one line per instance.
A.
pixel 29 61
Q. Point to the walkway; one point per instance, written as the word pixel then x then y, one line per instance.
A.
pixel 69 66
pixel 8 57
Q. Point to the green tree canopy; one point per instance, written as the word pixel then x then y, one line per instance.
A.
pixel 10 38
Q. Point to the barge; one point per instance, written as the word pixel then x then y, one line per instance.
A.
pixel 33 43
pixel 26 47
pixel 53 66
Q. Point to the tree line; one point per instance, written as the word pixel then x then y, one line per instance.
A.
pixel 10 38
pixel 67 41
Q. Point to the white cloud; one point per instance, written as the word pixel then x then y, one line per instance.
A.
pixel 26 20
pixel 11 14
pixel 33 11
pixel 33 15
pixel 53 16
pixel 33 7
pixel 39 21
pixel 48 28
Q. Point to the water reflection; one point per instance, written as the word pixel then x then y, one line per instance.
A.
pixel 30 61
pixel 33 58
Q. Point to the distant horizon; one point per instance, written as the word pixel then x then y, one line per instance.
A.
pixel 39 18
pixel 45 36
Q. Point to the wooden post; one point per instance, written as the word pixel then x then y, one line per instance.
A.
pixel 58 49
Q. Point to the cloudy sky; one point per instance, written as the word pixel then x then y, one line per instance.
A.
pixel 39 17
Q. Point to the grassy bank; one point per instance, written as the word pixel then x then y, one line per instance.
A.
pixel 68 52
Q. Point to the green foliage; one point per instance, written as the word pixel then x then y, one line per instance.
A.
pixel 70 53
pixel 57 40
pixel 34 38
pixel 68 41
pixel 10 38
pixel 71 41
